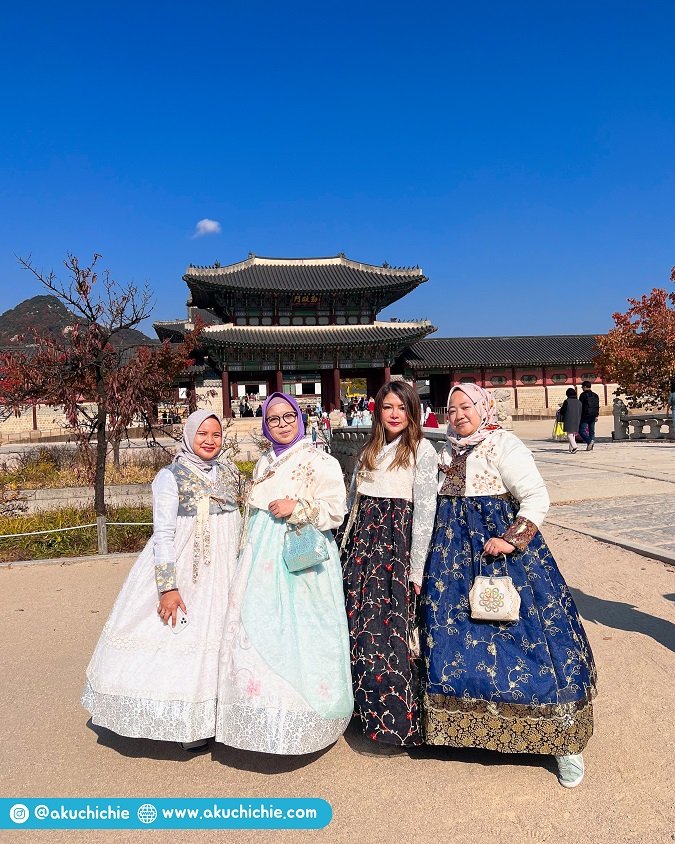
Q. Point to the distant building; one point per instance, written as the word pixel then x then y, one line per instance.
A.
pixel 300 324
pixel 304 325
pixel 535 370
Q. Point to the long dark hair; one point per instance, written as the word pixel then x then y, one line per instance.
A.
pixel 411 435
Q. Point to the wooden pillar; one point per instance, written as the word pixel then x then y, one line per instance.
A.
pixel 543 375
pixel 225 381
pixel 387 374
pixel 574 377
pixel 326 388
pixel 337 389
pixel 234 391
pixel 515 388
pixel 35 417
pixel 604 384
pixel 374 380
pixel 192 396
pixel 278 381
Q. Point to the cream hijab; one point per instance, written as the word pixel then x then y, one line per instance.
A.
pixel 186 453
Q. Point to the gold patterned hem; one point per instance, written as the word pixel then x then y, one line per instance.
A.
pixel 556 730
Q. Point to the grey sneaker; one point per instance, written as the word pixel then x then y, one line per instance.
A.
pixel 589 447
pixel 570 770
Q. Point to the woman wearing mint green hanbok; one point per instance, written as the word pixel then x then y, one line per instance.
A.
pixel 285 679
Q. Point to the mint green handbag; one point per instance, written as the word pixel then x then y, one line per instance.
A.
pixel 304 547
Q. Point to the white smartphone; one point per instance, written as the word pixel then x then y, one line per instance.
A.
pixel 181 621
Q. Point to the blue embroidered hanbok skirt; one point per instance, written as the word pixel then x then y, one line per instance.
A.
pixel 520 687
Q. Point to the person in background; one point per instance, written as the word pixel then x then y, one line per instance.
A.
pixel 431 420
pixel 371 404
pixel 570 414
pixel 590 410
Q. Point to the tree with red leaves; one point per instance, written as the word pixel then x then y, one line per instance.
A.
pixel 103 385
pixel 639 352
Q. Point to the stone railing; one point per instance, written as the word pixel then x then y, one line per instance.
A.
pixel 347 442
pixel 631 426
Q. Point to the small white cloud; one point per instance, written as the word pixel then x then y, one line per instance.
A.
pixel 206 226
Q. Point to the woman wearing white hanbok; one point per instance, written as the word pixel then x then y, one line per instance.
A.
pixel 145 680
pixel 285 681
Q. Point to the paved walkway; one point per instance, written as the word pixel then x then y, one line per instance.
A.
pixel 622 493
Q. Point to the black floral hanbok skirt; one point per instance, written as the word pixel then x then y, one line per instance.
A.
pixel 381 615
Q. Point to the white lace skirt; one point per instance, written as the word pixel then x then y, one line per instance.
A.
pixel 145 681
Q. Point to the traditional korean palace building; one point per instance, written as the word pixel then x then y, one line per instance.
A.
pixel 536 371
pixel 306 325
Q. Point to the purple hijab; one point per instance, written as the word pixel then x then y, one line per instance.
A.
pixel 279 448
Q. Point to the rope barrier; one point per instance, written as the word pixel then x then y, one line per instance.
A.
pixel 75 527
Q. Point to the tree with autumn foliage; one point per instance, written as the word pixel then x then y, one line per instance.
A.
pixel 103 385
pixel 639 352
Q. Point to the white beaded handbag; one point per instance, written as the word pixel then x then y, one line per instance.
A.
pixel 493 597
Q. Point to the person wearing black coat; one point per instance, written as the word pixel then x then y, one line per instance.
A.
pixel 590 410
pixel 570 414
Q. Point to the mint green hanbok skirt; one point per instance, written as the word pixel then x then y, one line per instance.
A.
pixel 285 678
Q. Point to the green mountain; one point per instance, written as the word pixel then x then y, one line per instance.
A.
pixel 48 315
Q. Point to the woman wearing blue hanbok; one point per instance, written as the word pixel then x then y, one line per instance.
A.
pixel 519 687
pixel 285 680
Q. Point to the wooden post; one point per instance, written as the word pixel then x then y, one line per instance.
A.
pixel 278 382
pixel 34 416
pixel 543 375
pixel 101 535
pixel 225 381
pixel 515 389
pixel 387 374
pixel 337 389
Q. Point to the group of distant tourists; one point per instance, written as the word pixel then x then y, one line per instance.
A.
pixel 422 601
pixel 578 415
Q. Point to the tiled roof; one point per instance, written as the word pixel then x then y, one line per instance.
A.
pixel 456 352
pixel 277 336
pixel 315 275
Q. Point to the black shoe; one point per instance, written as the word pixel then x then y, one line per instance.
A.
pixel 193 747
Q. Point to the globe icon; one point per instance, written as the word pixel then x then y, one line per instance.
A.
pixel 147 813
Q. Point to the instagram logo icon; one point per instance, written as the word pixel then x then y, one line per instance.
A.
pixel 19 813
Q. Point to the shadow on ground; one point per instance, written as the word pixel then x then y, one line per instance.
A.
pixel 362 745
pixel 625 617
pixel 243 760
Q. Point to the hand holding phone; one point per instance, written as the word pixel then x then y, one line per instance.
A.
pixel 182 621
pixel 169 605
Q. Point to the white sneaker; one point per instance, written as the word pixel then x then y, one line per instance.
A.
pixel 570 769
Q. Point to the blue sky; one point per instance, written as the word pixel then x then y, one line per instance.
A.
pixel 521 153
